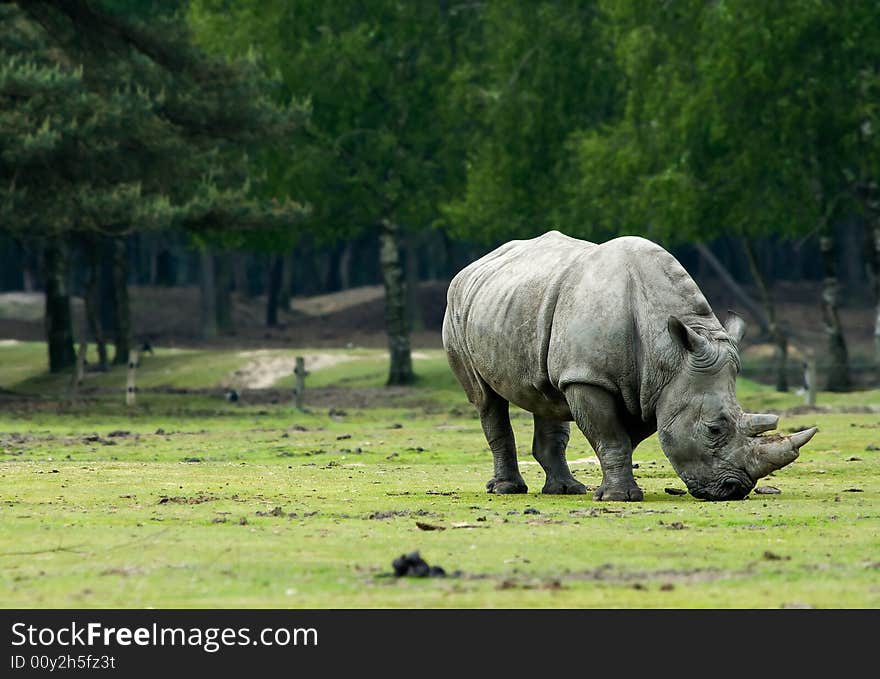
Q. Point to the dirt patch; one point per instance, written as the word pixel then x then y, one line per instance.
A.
pixel 338 398
pixel 124 571
pixel 667 578
pixel 266 367
pixel 393 513
pixel 321 305
pixel 697 575
pixel 581 460
pixel 22 306
pixel 192 500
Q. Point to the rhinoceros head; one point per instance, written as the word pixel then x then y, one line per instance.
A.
pixel 717 449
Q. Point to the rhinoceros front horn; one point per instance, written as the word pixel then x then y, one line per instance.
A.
pixel 775 453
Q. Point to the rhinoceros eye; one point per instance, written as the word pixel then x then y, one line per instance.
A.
pixel 716 432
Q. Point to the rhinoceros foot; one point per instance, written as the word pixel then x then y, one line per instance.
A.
pixel 504 487
pixel 564 487
pixel 629 493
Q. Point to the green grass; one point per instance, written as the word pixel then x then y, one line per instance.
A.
pixel 181 511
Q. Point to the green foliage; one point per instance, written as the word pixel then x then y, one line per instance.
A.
pixel 538 72
pixel 376 144
pixel 744 118
pixel 111 122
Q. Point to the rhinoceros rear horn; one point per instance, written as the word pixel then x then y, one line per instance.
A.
pixel 775 453
pixel 735 326
pixel 759 423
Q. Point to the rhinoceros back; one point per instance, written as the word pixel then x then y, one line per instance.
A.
pixel 535 315
pixel 499 317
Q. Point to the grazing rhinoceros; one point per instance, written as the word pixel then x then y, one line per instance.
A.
pixel 618 338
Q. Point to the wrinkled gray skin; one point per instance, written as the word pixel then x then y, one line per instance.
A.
pixel 618 338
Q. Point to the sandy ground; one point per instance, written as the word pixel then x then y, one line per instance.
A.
pixel 320 305
pixel 266 367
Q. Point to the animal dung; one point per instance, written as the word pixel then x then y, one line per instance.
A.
pixel 412 565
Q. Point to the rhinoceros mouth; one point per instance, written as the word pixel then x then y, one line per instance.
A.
pixel 728 488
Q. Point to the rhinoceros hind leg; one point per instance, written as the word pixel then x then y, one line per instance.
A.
pixel 495 418
pixel 548 447
pixel 596 413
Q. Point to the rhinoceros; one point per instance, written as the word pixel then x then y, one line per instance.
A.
pixel 618 338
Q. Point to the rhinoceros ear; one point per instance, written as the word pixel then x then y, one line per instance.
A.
pixel 685 337
pixel 735 326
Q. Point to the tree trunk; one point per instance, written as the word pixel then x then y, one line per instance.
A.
pixel 92 299
pixel 436 263
pixel 154 253
pixel 239 274
pixel 182 267
pixel 58 318
pixel 414 311
pixel 286 290
pixel 304 270
pixel 208 294
pixel 223 301
pixel 28 280
pixel 345 266
pixel 273 290
pixel 106 308
pixel 401 371
pixel 332 281
pixel 122 330
pixel 869 193
pixel 780 358
pixel 875 231
pixel 322 261
pixel 850 255
pixel 733 286
pixel 838 367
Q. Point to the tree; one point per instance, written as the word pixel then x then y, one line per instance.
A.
pixel 739 120
pixel 112 122
pixel 538 72
pixel 376 154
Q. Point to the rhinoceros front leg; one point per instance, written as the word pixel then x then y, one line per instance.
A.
pixel 595 412
pixel 548 447
pixel 495 418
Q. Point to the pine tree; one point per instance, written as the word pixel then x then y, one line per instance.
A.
pixel 112 122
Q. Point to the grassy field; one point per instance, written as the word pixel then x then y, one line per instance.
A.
pixel 190 501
